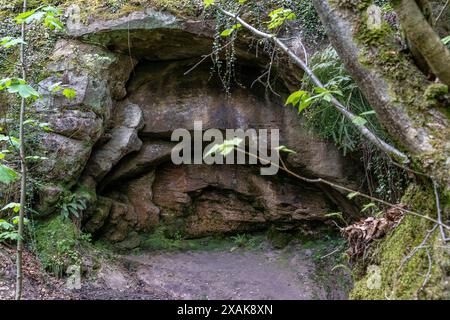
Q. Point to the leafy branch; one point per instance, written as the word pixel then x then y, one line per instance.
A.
pixel 379 143
pixel 229 145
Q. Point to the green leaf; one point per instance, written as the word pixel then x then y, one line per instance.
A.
pixel 48 14
pixel 34 17
pixel 279 16
pixel 367 113
pixel 327 97
pixel 30 122
pixel 295 97
pixel 36 158
pixel 446 40
pixel 53 23
pixel 212 151
pixel 226 33
pixel 8 42
pixel 351 195
pixel 208 3
pixel 7 175
pixel 5 225
pixel 12 205
pixel 338 215
pixel 69 93
pixel 300 98
pixel 285 149
pixel 229 31
pixel 225 148
pixel 24 15
pixel 5 83
pixel 368 206
pixel 15 142
pixel 304 104
pixel 359 121
pixel 54 87
pixel 24 90
pixel 45 126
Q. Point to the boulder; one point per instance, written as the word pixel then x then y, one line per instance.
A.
pixel 65 159
pixel 76 124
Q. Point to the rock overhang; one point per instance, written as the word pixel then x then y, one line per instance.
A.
pixel 129 178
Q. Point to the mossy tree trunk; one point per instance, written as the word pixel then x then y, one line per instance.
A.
pixel 413 109
pixel 417 22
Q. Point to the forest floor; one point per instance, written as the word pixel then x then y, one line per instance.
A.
pixel 298 271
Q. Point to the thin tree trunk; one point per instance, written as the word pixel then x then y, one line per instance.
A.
pixel 423 38
pixel 23 170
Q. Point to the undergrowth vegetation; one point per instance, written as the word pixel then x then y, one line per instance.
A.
pixel 383 178
pixel 58 244
pixel 411 262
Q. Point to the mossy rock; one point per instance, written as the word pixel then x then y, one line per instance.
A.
pixel 57 243
pixel 402 275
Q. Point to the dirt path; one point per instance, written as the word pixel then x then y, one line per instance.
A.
pixel 262 273
pixel 227 275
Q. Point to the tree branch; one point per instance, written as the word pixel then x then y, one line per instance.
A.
pixel 380 144
pixel 393 85
pixel 343 188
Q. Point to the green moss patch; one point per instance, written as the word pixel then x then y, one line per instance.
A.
pixel 58 243
pixel 401 274
pixel 161 240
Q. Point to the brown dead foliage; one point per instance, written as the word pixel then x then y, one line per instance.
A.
pixel 360 234
pixel 37 283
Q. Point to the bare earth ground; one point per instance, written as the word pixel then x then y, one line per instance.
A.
pixel 262 273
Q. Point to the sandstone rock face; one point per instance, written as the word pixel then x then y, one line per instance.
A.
pixel 98 77
pixel 222 199
pixel 150 155
pixel 153 35
pixel 124 140
pixel 114 137
pixel 127 209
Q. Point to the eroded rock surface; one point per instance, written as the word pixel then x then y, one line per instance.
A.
pixel 222 199
pixel 98 77
pixel 113 138
pixel 124 140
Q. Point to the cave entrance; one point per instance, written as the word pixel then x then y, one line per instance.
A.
pixel 148 202
pixel 145 191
